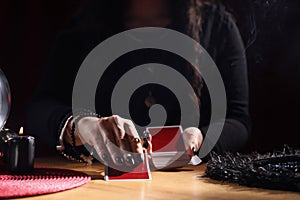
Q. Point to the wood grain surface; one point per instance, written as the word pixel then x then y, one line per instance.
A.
pixel 184 183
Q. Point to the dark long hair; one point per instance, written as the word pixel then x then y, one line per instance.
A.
pixel 107 17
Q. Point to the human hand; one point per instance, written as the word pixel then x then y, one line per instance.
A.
pixel 112 138
pixel 193 140
pixel 115 140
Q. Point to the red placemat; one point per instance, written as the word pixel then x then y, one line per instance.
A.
pixel 40 181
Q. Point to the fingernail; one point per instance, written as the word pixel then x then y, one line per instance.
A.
pixel 105 157
pixel 146 144
pixel 194 150
pixel 119 160
pixel 146 134
pixel 130 160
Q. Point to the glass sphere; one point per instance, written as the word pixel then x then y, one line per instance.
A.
pixel 5 99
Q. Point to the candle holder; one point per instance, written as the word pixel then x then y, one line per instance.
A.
pixel 21 154
pixel 16 151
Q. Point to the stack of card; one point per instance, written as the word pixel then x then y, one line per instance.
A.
pixel 164 160
pixel 168 148
pixel 168 151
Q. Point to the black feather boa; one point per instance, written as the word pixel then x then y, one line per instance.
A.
pixel 277 170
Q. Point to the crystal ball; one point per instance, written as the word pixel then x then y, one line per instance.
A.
pixel 5 99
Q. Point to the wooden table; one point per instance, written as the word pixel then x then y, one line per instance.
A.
pixel 185 183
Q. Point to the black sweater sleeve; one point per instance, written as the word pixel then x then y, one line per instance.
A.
pixel 230 58
pixel 51 104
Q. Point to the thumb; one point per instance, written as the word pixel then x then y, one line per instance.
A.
pixel 193 139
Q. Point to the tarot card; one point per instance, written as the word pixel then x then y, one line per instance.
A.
pixel 140 172
pixel 168 148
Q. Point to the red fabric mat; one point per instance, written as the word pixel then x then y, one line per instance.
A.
pixel 41 181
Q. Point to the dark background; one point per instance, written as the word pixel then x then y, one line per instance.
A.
pixel 270 30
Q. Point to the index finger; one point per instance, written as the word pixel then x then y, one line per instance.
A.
pixel 131 135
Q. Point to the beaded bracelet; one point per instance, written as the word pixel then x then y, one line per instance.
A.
pixel 73 134
pixel 81 114
pixel 73 152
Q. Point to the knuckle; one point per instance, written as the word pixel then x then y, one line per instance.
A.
pixel 102 122
pixel 129 123
pixel 115 117
pixel 120 133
